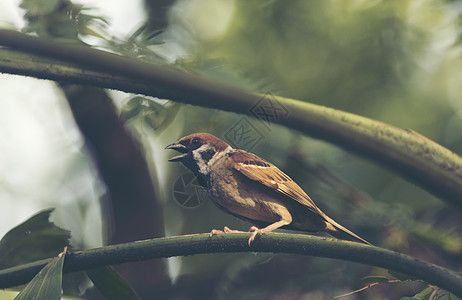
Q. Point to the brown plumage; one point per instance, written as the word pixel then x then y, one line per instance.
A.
pixel 250 188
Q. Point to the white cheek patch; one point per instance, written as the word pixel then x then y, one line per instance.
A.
pixel 201 163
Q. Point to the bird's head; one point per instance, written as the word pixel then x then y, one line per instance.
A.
pixel 197 151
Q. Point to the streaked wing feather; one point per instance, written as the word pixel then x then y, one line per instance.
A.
pixel 269 175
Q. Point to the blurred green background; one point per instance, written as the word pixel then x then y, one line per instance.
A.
pixel 397 61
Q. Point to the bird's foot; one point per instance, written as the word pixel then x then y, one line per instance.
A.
pixel 254 231
pixel 267 229
pixel 215 232
pixel 225 230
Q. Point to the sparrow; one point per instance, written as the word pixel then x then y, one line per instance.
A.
pixel 250 188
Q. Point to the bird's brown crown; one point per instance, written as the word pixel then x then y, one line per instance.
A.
pixel 206 138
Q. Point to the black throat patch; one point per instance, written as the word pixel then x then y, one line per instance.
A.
pixel 208 154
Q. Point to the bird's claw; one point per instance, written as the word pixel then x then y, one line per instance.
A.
pixel 215 232
pixel 254 231
pixel 225 230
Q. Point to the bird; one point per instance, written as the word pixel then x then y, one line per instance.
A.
pixel 253 189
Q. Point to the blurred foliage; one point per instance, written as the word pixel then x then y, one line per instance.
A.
pixel 111 284
pixel 59 18
pixel 149 112
pixel 398 61
pixel 395 61
pixel 37 234
pixel 67 20
pixel 141 44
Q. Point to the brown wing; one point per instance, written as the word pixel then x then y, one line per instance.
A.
pixel 257 169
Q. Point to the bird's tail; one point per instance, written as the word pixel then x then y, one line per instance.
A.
pixel 340 232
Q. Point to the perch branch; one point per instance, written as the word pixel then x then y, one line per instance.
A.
pixel 237 242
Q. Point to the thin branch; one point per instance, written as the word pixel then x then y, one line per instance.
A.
pixel 237 242
pixel 423 162
pixel 357 291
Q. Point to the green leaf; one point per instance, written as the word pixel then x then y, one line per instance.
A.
pixel 111 284
pixel 131 109
pixel 402 277
pixel 46 284
pixel 35 239
pixel 154 115
pixel 424 293
pixel 150 112
pixel 373 279
pixel 170 111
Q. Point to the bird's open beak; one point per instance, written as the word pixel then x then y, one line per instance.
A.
pixel 180 148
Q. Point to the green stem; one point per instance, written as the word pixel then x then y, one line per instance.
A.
pixel 237 242
pixel 423 162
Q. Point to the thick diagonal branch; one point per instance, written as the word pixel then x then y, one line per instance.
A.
pixel 423 162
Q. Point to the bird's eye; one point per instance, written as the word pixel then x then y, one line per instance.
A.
pixel 195 141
